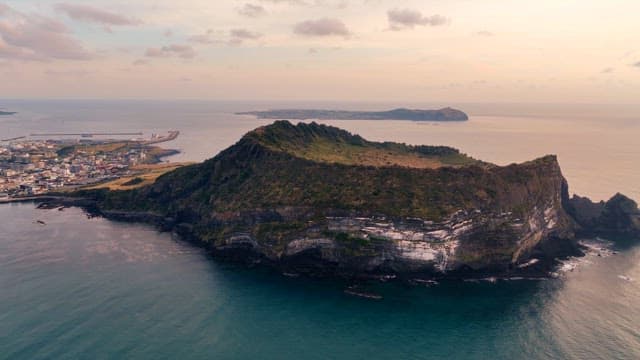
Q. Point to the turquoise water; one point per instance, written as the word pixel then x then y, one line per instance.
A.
pixel 91 288
pixel 79 288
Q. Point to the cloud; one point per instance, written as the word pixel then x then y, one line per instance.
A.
pixel 32 37
pixel 68 73
pixel 321 27
pixel 174 50
pixel 233 37
pixel 338 4
pixel 608 70
pixel 209 37
pixel 244 34
pixel 91 14
pixel 251 10
pixel 400 19
pixel 636 64
pixel 313 51
pixel 141 62
pixel 292 2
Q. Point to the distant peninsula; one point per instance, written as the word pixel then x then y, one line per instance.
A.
pixel 7 113
pixel 445 114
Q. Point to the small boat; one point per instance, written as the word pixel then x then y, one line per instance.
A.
pixel 385 278
pixel 425 282
pixel 367 295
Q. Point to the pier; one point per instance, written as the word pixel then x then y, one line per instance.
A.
pixel 14 139
pixel 160 139
pixel 89 134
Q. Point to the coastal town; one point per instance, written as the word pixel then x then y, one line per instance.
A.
pixel 30 166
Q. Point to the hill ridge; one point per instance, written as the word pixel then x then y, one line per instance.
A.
pixel 324 143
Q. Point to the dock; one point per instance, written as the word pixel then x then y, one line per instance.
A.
pixel 15 138
pixel 172 136
pixel 89 134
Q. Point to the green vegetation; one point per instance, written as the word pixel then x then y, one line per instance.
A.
pixel 143 175
pixel 313 167
pixel 331 145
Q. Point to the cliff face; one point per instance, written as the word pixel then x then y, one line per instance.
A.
pixel 277 197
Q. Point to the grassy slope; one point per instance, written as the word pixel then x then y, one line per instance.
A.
pixel 147 173
pixel 330 145
pixel 262 172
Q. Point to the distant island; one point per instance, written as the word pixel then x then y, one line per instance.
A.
pixel 445 114
pixel 317 200
pixel 7 113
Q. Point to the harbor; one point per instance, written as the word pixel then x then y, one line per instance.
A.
pixel 88 135
pixel 32 167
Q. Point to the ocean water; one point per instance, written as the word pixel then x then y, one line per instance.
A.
pixel 598 145
pixel 79 288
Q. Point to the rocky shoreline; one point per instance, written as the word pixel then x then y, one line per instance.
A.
pixel 532 270
pixel 240 249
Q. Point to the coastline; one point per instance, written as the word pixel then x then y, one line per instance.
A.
pixel 78 165
pixel 543 270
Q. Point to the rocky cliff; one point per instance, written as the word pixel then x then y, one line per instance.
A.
pixel 316 199
pixel 618 218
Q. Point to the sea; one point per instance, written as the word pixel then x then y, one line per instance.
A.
pixel 74 287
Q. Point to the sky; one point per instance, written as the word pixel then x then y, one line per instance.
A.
pixel 522 51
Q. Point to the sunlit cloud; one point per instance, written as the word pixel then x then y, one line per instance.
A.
pixel 400 19
pixel 174 50
pixel 37 38
pixel 252 10
pixel 285 48
pixel 232 37
pixel 92 14
pixel 321 27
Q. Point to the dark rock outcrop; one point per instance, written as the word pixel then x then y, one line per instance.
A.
pixel 617 218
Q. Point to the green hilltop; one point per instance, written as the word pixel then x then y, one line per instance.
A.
pixel 326 168
pixel 332 145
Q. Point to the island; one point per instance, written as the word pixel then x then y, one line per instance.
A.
pixel 311 199
pixel 6 113
pixel 445 114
